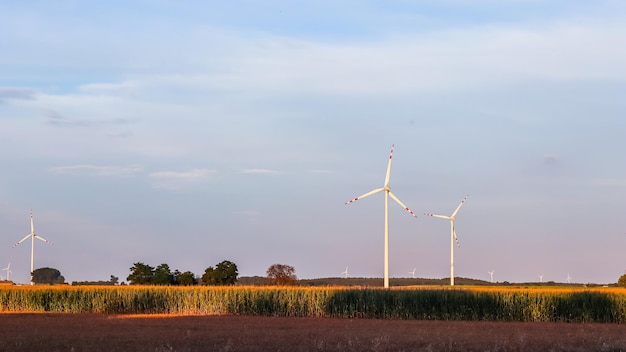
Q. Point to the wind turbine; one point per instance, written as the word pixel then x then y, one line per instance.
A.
pixel 491 273
pixel 569 279
pixel 388 194
pixel 540 277
pixel 413 273
pixel 32 235
pixel 345 273
pixel 8 270
pixel 453 236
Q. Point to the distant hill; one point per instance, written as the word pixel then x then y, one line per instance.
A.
pixel 365 281
pixel 378 282
pixel 374 282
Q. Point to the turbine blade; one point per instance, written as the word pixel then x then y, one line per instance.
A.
pixel 393 196
pixel 22 240
pixel 438 216
pixel 455 236
pixel 459 207
pixel 389 167
pixel 365 195
pixel 43 239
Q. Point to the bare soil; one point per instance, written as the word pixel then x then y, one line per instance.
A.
pixel 93 332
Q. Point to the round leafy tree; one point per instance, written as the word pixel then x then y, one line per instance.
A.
pixel 622 281
pixel 224 273
pixel 49 276
pixel 281 274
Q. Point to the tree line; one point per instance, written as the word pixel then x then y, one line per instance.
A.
pixel 224 273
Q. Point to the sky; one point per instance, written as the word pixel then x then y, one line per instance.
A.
pixel 194 132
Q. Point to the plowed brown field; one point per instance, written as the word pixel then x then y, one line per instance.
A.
pixel 91 332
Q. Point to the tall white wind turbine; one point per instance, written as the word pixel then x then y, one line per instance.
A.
pixel 388 194
pixel 8 270
pixel 345 273
pixel 453 236
pixel 540 277
pixel 413 273
pixel 491 274
pixel 32 235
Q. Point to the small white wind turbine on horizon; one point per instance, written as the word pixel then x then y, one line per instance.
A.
pixel 32 235
pixel 388 194
pixel 345 273
pixel 491 274
pixel 453 236
pixel 8 270
pixel 413 273
pixel 569 279
pixel 540 277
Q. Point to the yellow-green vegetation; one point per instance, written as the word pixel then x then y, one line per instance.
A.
pixel 566 304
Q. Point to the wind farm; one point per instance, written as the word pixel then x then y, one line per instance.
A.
pixel 386 190
pixel 221 176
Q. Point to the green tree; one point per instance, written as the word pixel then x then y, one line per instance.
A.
pixel 185 279
pixel 140 274
pixel 162 275
pixel 622 281
pixel 224 273
pixel 48 276
pixel 281 275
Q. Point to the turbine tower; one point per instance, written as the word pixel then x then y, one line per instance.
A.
pixel 540 277
pixel 8 270
pixel 413 273
pixel 388 194
pixel 32 235
pixel 453 236
pixel 491 274
pixel 569 279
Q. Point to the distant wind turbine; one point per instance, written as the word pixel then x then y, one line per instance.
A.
pixel 388 194
pixel 413 273
pixel 540 277
pixel 453 236
pixel 569 279
pixel 32 235
pixel 491 274
pixel 8 270
pixel 345 273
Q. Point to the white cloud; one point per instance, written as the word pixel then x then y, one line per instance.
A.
pixel 92 170
pixel 178 180
pixel 185 175
pixel 451 59
pixel 259 171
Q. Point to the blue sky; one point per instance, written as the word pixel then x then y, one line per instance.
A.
pixel 193 133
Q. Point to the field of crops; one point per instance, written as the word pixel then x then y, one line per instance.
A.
pixel 526 304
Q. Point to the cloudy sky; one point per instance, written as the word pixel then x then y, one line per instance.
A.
pixel 195 132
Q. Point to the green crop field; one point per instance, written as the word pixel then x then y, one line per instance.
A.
pixel 537 304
